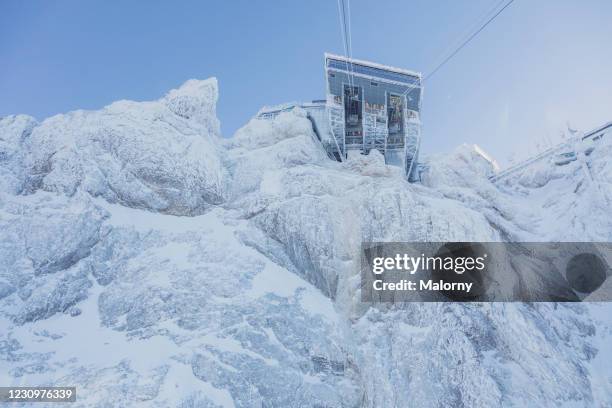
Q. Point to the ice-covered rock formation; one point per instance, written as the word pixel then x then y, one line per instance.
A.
pixel 161 156
pixel 149 262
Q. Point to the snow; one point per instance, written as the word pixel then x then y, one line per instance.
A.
pixel 149 262
pixel 162 156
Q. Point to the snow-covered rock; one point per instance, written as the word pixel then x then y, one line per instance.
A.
pixel 148 262
pixel 14 131
pixel 44 239
pixel 161 156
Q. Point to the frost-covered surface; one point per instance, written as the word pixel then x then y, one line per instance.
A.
pixel 161 156
pixel 149 262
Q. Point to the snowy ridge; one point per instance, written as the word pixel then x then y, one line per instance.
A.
pixel 149 262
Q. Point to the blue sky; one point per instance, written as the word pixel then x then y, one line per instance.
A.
pixel 538 65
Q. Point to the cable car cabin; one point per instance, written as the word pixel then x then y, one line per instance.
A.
pixel 367 106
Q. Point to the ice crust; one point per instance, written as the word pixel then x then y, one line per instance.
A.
pixel 148 261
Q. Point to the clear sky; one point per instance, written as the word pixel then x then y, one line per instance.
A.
pixel 540 64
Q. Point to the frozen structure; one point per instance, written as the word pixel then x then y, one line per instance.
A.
pixel 367 106
pixel 578 147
